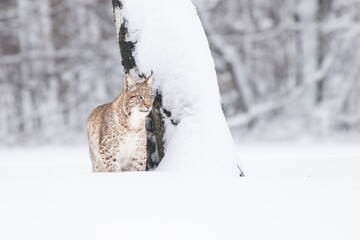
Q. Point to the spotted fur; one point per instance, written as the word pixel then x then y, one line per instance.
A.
pixel 116 131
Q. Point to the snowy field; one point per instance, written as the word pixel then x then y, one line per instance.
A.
pixel 290 192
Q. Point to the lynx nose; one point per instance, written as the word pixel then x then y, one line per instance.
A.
pixel 148 105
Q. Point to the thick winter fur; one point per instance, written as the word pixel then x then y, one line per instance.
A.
pixel 116 131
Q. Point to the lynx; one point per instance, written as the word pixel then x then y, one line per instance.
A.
pixel 116 131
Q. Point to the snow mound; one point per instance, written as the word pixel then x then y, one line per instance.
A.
pixel 171 42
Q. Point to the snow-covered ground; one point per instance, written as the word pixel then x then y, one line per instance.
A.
pixel 290 192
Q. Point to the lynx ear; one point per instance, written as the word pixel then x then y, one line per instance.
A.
pixel 129 82
pixel 150 78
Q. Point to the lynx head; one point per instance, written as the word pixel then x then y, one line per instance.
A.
pixel 139 97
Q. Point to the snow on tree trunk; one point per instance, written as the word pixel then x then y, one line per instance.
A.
pixel 168 38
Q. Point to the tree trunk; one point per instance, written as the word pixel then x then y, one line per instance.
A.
pixel 324 7
pixel 155 124
pixel 298 51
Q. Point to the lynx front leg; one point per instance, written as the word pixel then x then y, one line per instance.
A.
pixel 139 157
pixel 137 164
pixel 111 165
pixel 109 162
pixel 107 159
pixel 138 161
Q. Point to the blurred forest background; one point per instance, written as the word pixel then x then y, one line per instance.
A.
pixel 287 69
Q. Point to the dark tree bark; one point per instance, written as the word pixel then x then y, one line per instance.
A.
pixel 155 124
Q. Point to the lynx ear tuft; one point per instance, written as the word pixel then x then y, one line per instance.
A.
pixel 150 78
pixel 129 82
